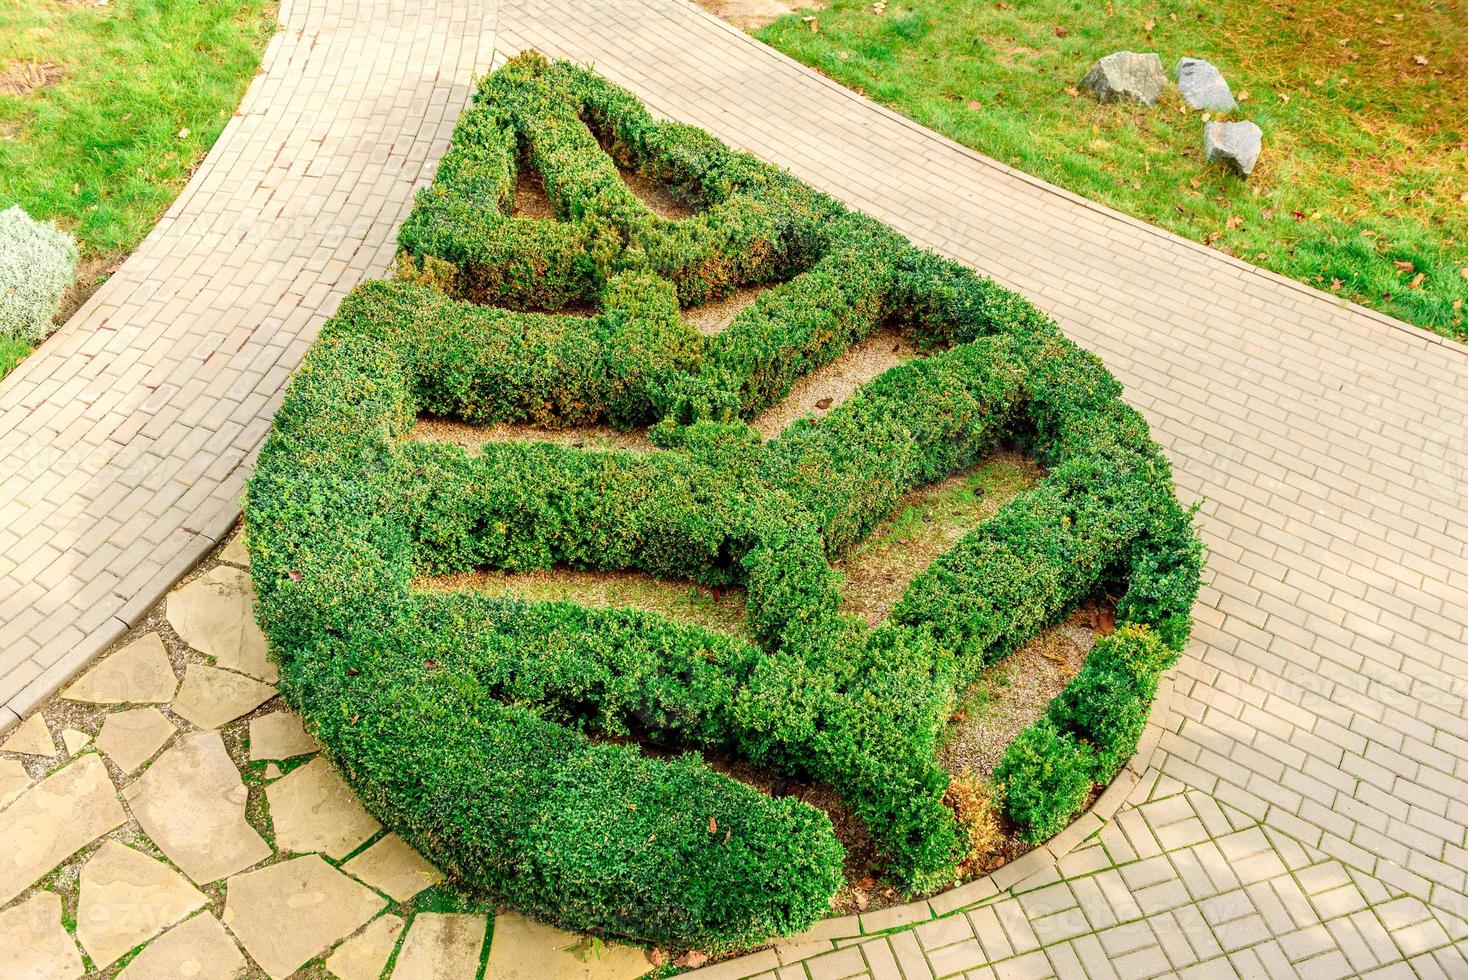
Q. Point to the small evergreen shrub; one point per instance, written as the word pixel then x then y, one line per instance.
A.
pixel 37 266
pixel 1046 774
pixel 495 734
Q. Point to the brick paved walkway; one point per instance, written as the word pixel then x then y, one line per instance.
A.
pixel 125 441
pixel 1305 813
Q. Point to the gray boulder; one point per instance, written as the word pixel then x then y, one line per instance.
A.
pixel 1234 143
pixel 1202 85
pixel 1127 76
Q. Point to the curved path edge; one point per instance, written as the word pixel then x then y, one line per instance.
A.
pixel 125 440
pixel 832 934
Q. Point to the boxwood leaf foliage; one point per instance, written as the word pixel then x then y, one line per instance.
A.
pixel 558 756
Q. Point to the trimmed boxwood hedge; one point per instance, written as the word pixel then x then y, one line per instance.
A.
pixel 551 753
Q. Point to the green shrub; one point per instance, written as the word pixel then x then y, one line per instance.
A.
pixel 1106 705
pixel 492 733
pixel 1047 778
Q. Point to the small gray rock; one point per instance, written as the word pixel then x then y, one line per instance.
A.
pixel 1202 85
pixel 1127 75
pixel 1235 143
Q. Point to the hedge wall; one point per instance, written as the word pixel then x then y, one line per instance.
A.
pixel 548 752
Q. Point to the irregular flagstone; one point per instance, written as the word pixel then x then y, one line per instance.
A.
pixel 392 867
pixel 128 898
pixel 442 946
pixel 211 697
pixel 236 553
pixel 191 802
pixel 31 738
pixel 198 948
pixel 362 957
pixel 215 614
pixel 130 738
pixel 74 740
pixel 14 780
pixel 33 943
pixel 312 809
pixel 139 673
pixel 288 913
pixel 53 820
pixel 279 735
pixel 524 949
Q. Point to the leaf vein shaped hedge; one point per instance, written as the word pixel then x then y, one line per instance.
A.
pixel 549 752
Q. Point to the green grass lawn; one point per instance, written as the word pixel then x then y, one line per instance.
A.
pixel 105 110
pixel 1362 189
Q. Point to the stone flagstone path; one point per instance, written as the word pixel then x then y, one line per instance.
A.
pixel 233 848
pixel 1305 812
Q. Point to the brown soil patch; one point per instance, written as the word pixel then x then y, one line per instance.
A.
pixel 91 273
pixel 659 200
pixel 530 198
pixel 1015 692
pixel 710 319
pixel 926 523
pixel 472 437
pixel 25 77
pixel 824 388
pixel 715 609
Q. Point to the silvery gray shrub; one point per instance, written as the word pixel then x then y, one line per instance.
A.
pixel 37 264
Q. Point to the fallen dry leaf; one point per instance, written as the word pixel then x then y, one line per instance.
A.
pixel 1061 31
pixel 183 134
pixel 1416 282
pixel 1335 285
pixel 713 826
pixel 974 104
pixel 1243 96
pixel 1150 25
pixel 1421 59
pixel 1234 221
pixel 815 25
pixel 657 957
pixel 1075 93
pixel 693 959
pixel 1284 98
pixel 1403 265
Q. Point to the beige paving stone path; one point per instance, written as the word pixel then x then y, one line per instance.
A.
pixel 126 439
pixel 1305 814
